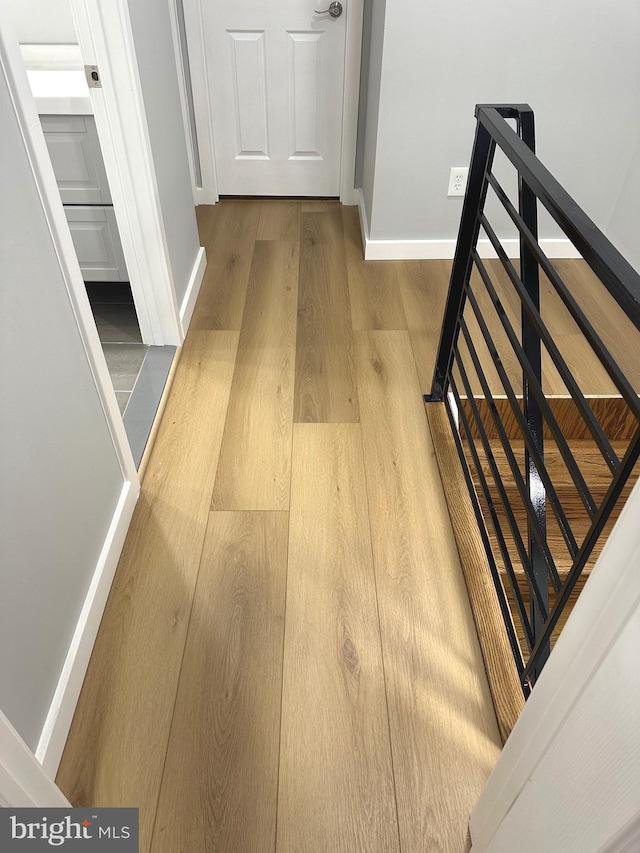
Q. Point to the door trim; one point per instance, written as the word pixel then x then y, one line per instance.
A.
pixel 23 782
pixel 106 40
pixel 183 76
pixel 194 26
pixel 350 98
pixel 194 20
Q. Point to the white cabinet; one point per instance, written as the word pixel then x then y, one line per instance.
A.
pixel 95 236
pixel 77 161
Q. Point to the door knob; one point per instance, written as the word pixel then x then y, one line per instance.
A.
pixel 335 10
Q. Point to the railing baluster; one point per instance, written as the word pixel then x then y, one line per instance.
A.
pixel 481 162
pixel 533 414
pixel 530 278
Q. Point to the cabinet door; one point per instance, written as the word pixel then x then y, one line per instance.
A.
pixel 77 159
pixel 95 236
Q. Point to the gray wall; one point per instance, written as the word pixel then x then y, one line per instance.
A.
pixel 159 78
pixel 624 228
pixel 42 21
pixel 59 475
pixel 368 118
pixel 577 63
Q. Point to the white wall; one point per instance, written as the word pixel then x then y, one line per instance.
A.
pixel 575 62
pixel 568 778
pixel 60 478
pixel 155 54
pixel 42 21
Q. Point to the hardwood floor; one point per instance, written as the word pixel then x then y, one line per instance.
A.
pixel 325 386
pixel 440 710
pixel 220 780
pixel 288 661
pixel 336 781
pixel 118 743
pixel 253 469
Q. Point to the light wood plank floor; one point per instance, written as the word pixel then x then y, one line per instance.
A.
pixel 287 661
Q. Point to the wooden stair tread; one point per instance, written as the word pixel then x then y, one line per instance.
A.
pixel 588 458
pixel 598 478
pixel 612 413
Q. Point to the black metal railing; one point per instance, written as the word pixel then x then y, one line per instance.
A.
pixel 485 342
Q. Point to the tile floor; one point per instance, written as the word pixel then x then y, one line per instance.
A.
pixel 138 372
pixel 122 344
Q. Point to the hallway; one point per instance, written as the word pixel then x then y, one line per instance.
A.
pixel 287 661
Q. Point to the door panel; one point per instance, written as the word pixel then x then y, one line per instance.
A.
pixel 305 72
pixel 95 238
pixel 276 88
pixel 249 90
pixel 76 157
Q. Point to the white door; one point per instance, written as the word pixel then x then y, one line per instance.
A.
pixel 276 79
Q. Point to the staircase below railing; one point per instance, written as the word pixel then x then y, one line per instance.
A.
pixel 545 465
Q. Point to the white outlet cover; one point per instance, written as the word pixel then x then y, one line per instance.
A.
pixel 458 181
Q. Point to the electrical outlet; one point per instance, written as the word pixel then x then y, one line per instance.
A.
pixel 458 180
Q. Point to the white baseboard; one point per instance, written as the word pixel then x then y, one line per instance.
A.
pixel 206 196
pixel 409 250
pixel 60 715
pixel 193 289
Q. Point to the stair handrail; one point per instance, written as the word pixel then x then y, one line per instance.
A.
pixel 535 184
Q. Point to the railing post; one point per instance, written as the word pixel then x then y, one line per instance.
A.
pixel 529 274
pixel 481 160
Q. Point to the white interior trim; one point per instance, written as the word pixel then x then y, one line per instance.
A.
pixel 23 782
pixel 63 705
pixel 404 250
pixel 193 289
pixel 407 250
pixel 350 97
pixel 182 88
pixel 106 40
pixel 194 26
pixel 610 599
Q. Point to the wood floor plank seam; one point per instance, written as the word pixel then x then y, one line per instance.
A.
pixel 227 726
pixel 175 698
pixel 117 745
pixel 440 706
pixel 284 635
pixel 336 785
pixel 252 472
pixel 325 388
pixel 382 653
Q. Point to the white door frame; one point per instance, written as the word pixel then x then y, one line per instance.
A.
pixel 106 40
pixel 194 26
pixel 23 781
pixel 609 601
pixel 194 20
pixel 12 66
pixel 184 77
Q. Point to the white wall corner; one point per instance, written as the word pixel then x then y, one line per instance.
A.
pixel 63 705
pixel 364 224
pixel 193 289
